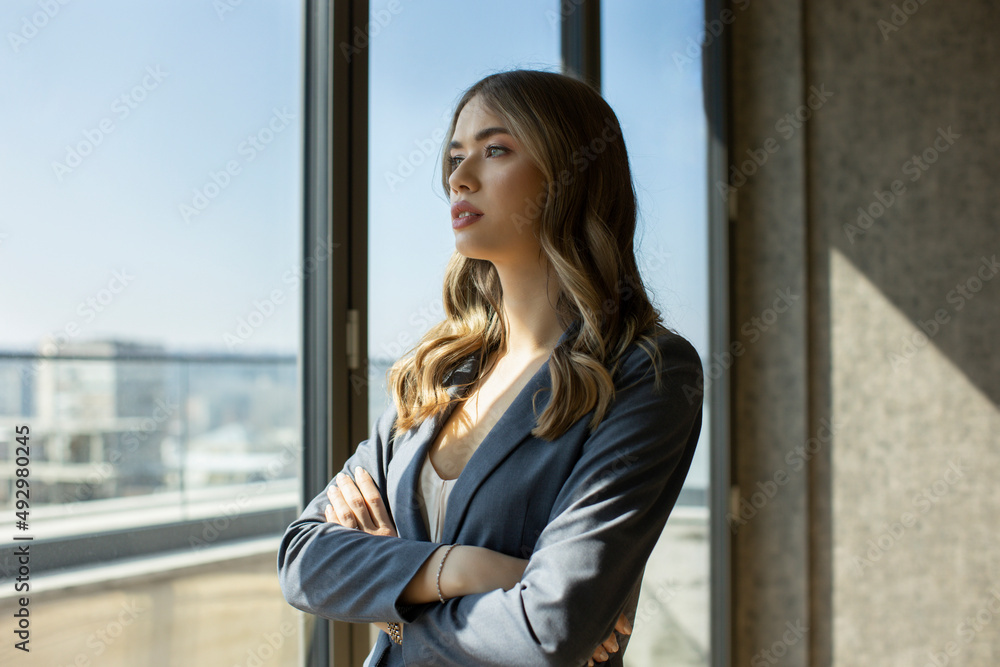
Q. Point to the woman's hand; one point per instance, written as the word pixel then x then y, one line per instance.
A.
pixel 359 508
pixel 610 645
pixel 358 505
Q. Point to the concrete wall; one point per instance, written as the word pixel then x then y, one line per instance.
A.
pixel 866 430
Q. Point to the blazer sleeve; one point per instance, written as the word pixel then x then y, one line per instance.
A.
pixel 345 574
pixel 602 529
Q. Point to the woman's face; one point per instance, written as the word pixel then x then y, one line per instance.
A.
pixel 493 178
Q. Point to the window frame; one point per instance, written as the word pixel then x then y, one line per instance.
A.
pixel 334 357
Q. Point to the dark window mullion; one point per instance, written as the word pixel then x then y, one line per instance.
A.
pixel 315 364
pixel 580 35
pixel 714 73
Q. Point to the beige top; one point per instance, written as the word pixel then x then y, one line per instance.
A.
pixel 435 492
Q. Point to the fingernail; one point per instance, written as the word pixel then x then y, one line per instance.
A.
pixel 359 471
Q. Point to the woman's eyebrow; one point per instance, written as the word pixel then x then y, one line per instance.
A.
pixel 482 135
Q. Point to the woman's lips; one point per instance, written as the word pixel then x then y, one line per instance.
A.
pixel 458 220
pixel 464 221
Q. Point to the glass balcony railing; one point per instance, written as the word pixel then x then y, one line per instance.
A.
pixel 188 449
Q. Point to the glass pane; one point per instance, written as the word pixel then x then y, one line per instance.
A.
pixel 418 72
pixel 410 109
pixel 149 257
pixel 651 76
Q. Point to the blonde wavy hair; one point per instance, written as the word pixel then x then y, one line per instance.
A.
pixel 585 229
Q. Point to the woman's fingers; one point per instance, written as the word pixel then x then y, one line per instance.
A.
pixel 339 511
pixel 623 626
pixel 610 645
pixel 356 501
pixel 358 504
pixel 376 507
pixel 604 649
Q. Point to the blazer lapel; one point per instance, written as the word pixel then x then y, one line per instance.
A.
pixel 511 430
pixel 412 447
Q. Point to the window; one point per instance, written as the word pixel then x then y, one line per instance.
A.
pixel 150 248
pixel 155 259
pixel 409 236
pixel 652 76
pixel 642 48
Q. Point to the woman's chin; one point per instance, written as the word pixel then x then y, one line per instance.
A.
pixel 468 249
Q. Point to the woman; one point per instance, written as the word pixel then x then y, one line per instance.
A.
pixel 505 505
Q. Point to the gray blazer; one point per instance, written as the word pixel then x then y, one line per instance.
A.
pixel 586 509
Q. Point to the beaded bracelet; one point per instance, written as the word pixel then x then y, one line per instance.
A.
pixel 447 551
pixel 394 632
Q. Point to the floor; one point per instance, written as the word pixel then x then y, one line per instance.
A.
pixel 233 614
pixel 672 619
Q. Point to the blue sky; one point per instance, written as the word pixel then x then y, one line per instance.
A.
pixel 189 280
pixel 150 167
pixel 658 102
pixel 66 234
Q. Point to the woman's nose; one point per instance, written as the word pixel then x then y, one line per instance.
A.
pixel 463 177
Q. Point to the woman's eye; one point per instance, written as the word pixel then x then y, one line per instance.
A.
pixel 491 151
